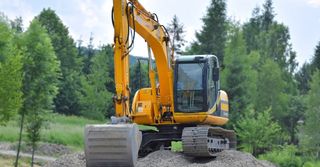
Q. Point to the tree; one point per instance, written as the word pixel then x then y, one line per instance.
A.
pixel 303 77
pixel 238 78
pixel 251 30
pixel 40 82
pixel 270 90
pixel 17 24
pixel 10 75
pixel 211 39
pixel 67 100
pixel 267 15
pixel 139 77
pixel 310 138
pixel 257 132
pixel 176 31
pixel 272 39
pixel 95 99
pixel 316 58
pixel 90 52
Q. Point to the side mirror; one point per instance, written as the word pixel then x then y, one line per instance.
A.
pixel 215 74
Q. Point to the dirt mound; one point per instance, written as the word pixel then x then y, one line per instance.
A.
pixel 166 158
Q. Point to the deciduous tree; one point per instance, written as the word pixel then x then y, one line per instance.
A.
pixel 40 82
pixel 10 74
pixel 67 100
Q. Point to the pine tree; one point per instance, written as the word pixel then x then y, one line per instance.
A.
pixel 316 58
pixel 176 31
pixel 88 56
pixel 40 82
pixel 251 31
pixel 211 39
pixel 67 100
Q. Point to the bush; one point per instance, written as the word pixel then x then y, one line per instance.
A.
pixel 257 131
pixel 284 157
pixel 312 164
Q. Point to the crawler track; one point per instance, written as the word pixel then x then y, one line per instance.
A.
pixel 207 141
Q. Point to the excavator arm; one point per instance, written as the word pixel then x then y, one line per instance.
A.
pixel 132 15
pixel 118 144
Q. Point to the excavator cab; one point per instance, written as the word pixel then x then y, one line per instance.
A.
pixel 196 83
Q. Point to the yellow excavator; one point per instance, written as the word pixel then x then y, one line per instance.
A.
pixel 183 103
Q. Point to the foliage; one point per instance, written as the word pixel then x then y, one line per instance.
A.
pixel 311 164
pixel 310 137
pixel 95 99
pixel 284 157
pixel 303 77
pixel 67 100
pixel 139 77
pixel 87 53
pixel 212 37
pixel 274 97
pixel 239 77
pixel 272 39
pixel 176 146
pixel 176 31
pixel 41 72
pixel 257 131
pixel 316 58
pixel 10 75
pixel 17 24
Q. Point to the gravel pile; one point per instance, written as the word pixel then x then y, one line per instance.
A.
pixel 47 149
pixel 5 146
pixel 166 158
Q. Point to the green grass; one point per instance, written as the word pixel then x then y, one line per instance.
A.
pixel 176 146
pixel 8 161
pixel 66 130
pixel 9 132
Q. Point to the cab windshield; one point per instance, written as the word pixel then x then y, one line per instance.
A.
pixel 189 87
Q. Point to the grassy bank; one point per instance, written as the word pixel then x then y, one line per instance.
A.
pixel 66 130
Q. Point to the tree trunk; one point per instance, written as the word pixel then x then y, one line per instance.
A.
pixel 33 148
pixel 20 138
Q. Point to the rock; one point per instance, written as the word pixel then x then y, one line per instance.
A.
pixel 165 158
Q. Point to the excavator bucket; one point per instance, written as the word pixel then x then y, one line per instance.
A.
pixel 112 145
